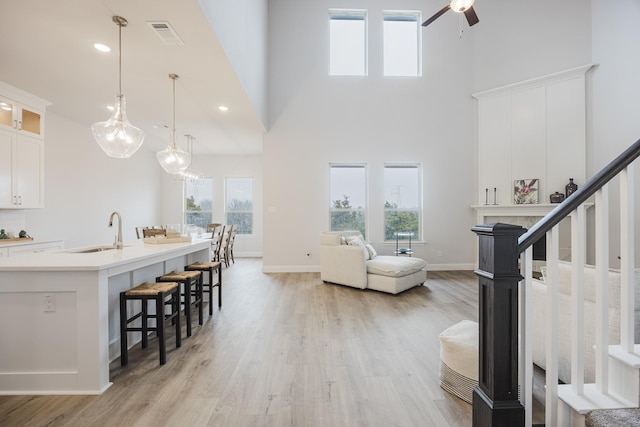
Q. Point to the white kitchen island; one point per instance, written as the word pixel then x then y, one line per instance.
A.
pixel 59 312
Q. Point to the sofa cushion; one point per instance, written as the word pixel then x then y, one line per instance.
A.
pixel 394 266
pixel 564 282
pixel 334 238
pixel 371 250
pixel 357 241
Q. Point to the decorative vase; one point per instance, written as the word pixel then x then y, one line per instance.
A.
pixel 570 188
pixel 556 197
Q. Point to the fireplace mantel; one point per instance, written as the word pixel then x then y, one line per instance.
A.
pixel 514 210
pixel 526 210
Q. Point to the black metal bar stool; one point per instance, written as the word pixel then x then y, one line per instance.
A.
pixel 208 287
pixel 163 294
pixel 192 292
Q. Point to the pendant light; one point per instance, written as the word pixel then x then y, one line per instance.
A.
pixel 173 159
pixel 188 174
pixel 117 137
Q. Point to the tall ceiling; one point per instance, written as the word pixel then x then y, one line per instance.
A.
pixel 46 48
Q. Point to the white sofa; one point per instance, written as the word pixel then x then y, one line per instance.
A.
pixel 539 315
pixel 346 262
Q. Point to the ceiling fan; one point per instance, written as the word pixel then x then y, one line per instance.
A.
pixel 458 6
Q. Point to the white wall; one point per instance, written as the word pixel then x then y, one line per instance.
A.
pixel 83 186
pixel 218 168
pixel 317 119
pixel 241 28
pixel 616 99
pixel 520 40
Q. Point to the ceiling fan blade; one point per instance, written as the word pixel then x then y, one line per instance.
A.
pixel 436 16
pixel 471 16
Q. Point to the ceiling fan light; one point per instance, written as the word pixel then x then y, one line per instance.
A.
pixel 117 137
pixel 461 5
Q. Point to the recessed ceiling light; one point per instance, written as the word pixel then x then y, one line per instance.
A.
pixel 223 108
pixel 102 47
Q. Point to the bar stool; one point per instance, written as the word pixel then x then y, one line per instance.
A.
pixel 208 287
pixel 158 292
pixel 192 287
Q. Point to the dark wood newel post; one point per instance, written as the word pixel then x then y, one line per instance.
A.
pixel 495 400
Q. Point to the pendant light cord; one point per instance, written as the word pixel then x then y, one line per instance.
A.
pixel 120 59
pixel 173 127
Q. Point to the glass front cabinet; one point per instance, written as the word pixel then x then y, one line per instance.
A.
pixel 21 149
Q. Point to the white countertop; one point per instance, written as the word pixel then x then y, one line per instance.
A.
pixel 14 243
pixel 69 260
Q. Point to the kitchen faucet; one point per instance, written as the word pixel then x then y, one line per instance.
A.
pixel 118 242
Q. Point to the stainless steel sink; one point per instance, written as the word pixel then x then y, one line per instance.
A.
pixel 94 249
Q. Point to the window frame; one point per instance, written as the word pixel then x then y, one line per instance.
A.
pixel 418 237
pixel 364 211
pixel 356 15
pixel 403 15
pixel 226 205
pixel 185 195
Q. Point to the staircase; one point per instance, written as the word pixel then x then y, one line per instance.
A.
pixel 505 278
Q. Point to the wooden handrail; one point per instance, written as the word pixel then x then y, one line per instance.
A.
pixel 579 197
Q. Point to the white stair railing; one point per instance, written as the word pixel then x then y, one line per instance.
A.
pixel 566 405
pixel 617 367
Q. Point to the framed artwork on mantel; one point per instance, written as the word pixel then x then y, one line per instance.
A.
pixel 525 191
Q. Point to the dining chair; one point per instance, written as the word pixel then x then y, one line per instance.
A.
pixel 222 246
pixel 216 236
pixel 229 247
pixel 153 232
pixel 211 227
pixel 140 233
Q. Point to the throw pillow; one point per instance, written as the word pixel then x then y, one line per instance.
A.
pixel 371 250
pixel 357 241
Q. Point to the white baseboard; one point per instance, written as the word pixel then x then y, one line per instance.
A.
pixel 248 255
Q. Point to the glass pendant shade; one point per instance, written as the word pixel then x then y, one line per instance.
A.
pixel 188 174
pixel 173 159
pixel 117 137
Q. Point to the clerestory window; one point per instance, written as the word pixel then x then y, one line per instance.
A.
pixel 402 44
pixel 347 42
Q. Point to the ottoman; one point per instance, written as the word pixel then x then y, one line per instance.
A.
pixel 459 359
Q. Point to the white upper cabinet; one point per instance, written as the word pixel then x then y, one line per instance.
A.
pixel 21 149
pixel 21 117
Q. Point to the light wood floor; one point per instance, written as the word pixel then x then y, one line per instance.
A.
pixel 285 349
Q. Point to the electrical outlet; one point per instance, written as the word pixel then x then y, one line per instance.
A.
pixel 49 303
pixel 439 252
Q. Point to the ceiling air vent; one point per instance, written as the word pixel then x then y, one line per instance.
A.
pixel 166 33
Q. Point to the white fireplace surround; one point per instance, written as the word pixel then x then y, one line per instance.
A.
pixel 533 211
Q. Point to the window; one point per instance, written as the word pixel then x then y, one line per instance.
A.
pixel 348 197
pixel 198 202
pixel 347 43
pixel 239 204
pixel 402 200
pixel 402 43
